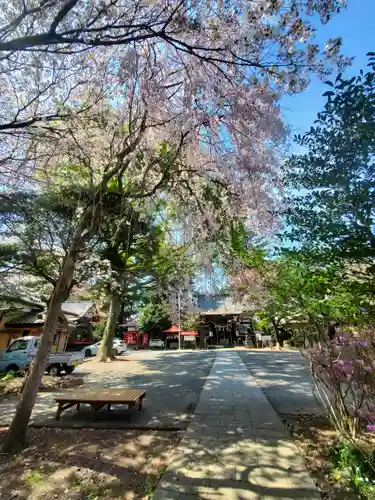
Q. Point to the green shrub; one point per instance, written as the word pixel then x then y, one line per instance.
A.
pixel 351 466
pixel 97 331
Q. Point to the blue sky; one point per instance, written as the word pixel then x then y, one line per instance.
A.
pixel 356 26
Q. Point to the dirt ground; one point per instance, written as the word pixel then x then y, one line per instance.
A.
pixel 14 385
pixel 315 437
pixel 120 364
pixel 86 464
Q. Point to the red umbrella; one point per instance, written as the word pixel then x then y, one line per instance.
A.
pixel 172 329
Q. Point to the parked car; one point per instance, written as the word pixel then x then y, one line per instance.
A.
pixel 119 347
pixel 156 343
pixel 20 353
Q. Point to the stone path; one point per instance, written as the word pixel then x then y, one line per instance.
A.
pixel 235 447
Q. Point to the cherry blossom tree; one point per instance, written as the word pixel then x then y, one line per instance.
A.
pixel 48 48
pixel 219 31
pixel 172 99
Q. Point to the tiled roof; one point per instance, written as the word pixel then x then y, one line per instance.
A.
pixel 77 308
pixel 71 310
pixel 27 318
pixel 32 318
pixel 221 305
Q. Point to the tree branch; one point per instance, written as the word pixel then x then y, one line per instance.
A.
pixel 62 14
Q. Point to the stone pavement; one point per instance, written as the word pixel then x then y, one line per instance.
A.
pixel 285 379
pixel 235 446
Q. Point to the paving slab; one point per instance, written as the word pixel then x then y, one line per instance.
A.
pixel 221 457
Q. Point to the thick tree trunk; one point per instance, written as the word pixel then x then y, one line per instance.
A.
pixel 277 334
pixel 106 345
pixel 16 434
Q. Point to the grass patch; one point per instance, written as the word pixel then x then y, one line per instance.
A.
pixel 4 377
pixel 95 491
pixel 33 478
pixel 350 466
pixel 94 486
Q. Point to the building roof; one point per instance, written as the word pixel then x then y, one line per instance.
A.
pixel 77 308
pixel 172 329
pixel 207 302
pixel 35 318
pixel 27 319
pixel 71 312
pixel 225 306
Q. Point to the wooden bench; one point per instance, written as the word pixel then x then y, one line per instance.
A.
pixel 98 398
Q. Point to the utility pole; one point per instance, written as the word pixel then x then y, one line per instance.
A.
pixel 179 319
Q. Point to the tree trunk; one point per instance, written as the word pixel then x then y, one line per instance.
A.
pixel 202 338
pixel 16 434
pixel 106 345
pixel 320 337
pixel 277 334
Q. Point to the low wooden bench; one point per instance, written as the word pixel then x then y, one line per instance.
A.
pixel 98 398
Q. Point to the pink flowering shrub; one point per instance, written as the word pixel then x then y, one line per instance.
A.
pixel 344 376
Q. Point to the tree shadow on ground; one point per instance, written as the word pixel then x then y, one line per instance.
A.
pixel 94 463
pixel 172 383
pixel 285 379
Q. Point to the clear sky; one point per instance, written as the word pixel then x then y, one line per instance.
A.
pixel 356 25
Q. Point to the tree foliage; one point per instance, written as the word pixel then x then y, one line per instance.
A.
pixel 154 315
pixel 50 51
pixel 293 288
pixel 52 25
pixel 135 260
pixel 331 212
pixel 36 229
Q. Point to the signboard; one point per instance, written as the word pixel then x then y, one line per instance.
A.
pixel 262 338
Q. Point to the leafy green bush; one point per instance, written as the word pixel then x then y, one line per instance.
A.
pixel 153 317
pixel 97 331
pixel 351 466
